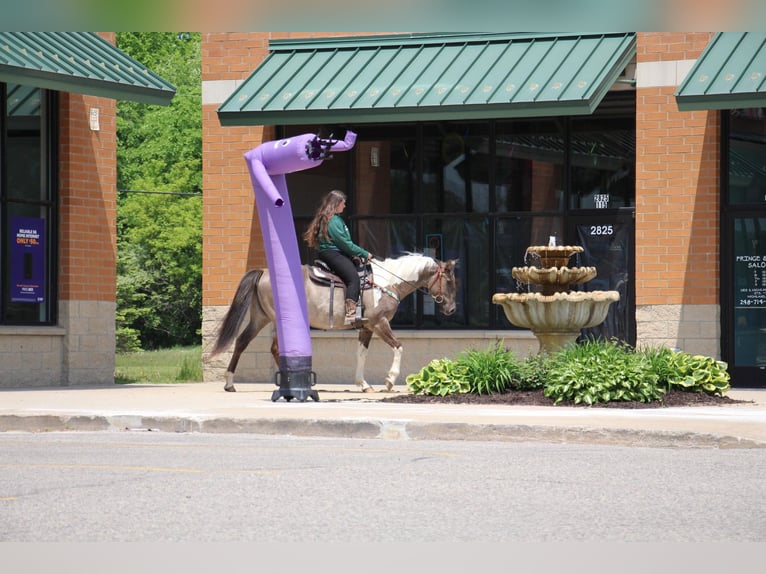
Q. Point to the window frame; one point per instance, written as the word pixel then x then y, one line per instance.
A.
pixel 47 201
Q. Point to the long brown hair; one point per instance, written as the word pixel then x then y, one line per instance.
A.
pixel 324 213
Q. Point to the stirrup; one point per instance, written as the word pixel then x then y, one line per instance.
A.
pixel 357 322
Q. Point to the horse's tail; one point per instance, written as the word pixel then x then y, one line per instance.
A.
pixel 235 316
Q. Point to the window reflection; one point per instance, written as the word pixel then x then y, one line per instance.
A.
pixel 530 167
pixel 747 156
pixel 603 158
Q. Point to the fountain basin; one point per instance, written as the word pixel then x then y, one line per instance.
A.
pixel 556 320
pixel 552 255
pixel 560 276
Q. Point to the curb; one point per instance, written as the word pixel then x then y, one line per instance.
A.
pixel 389 429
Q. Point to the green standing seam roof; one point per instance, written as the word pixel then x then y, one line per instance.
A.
pixel 398 78
pixel 80 62
pixel 730 73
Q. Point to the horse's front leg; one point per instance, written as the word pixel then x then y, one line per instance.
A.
pixel 383 328
pixel 396 366
pixel 361 359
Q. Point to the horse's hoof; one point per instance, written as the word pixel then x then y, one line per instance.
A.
pixel 229 389
pixel 368 390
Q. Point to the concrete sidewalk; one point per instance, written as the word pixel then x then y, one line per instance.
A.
pixel 343 411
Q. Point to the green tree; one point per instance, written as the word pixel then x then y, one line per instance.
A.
pixel 160 270
pixel 159 225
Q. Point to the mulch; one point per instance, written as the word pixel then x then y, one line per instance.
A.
pixel 537 398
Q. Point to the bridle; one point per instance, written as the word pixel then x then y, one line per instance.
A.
pixel 437 278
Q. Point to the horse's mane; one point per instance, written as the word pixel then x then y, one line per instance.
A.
pixel 407 267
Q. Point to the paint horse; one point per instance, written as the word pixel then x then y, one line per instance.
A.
pixel 392 280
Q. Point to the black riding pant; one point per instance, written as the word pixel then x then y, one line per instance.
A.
pixel 344 268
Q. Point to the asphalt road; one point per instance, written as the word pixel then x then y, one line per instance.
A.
pixel 152 487
pixel 148 486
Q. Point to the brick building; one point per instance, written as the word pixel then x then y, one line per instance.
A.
pixel 58 189
pixel 645 148
pixel 654 166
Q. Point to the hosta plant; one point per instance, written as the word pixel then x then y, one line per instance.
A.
pixel 440 377
pixel 598 371
pixel 686 372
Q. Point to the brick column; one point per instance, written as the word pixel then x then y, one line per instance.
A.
pixel 88 240
pixel 677 202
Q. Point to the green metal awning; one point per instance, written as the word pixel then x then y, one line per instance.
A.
pixel 730 73
pixel 80 62
pixel 399 78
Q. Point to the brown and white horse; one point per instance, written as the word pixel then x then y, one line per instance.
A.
pixel 392 280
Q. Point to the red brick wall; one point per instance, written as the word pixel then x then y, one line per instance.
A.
pixel 669 46
pixel 88 213
pixel 677 186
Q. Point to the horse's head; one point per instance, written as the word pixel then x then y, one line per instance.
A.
pixel 443 287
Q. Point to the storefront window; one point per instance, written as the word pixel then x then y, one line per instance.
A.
pixel 529 165
pixel 27 226
pixel 456 166
pixel 480 192
pixel 747 150
pixel 602 155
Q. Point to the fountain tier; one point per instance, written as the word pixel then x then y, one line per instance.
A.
pixel 556 316
pixel 557 319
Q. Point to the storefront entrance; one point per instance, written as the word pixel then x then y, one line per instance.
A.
pixel 744 301
pixel 743 247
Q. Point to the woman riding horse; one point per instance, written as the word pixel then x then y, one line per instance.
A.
pixel 329 234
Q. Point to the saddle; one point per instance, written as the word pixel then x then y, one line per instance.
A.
pixel 321 274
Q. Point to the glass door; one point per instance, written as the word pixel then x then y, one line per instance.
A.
pixel 744 307
pixel 743 249
pixel 608 245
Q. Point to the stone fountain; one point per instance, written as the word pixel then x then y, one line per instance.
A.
pixel 555 314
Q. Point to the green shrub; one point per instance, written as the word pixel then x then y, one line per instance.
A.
pixel 127 340
pixel 533 372
pixel 490 371
pixel 439 377
pixel 678 370
pixel 598 371
pixel 594 371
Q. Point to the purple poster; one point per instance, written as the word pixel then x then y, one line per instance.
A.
pixel 27 242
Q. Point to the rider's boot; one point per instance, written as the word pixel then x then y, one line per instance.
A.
pixel 350 311
pixel 354 313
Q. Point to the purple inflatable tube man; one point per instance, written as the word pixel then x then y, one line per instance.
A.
pixel 268 163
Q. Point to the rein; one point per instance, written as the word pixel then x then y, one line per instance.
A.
pixel 438 276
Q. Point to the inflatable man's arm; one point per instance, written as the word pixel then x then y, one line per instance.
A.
pixel 265 182
pixel 347 143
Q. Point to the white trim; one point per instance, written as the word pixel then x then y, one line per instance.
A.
pixel 217 91
pixel 662 74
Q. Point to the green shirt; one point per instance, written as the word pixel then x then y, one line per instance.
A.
pixel 340 238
